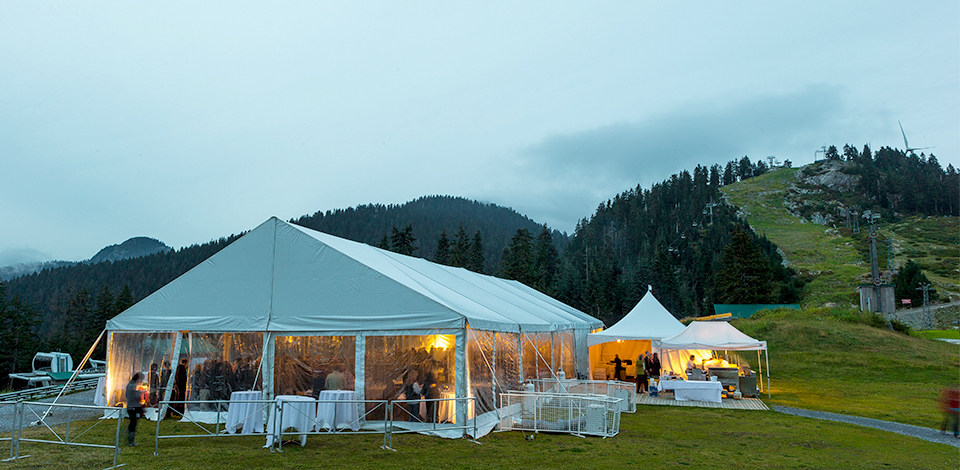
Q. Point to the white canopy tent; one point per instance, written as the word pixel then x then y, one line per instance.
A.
pixel 712 336
pixel 302 300
pixel 636 333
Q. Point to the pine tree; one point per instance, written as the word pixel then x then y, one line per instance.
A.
pixel 907 282
pixel 401 241
pixel 18 340
pixel 745 275
pixel 78 320
pixel 460 254
pixel 384 242
pixel 442 253
pixel 476 260
pixel 517 260
pixel 545 263
pixel 105 309
pixel 124 300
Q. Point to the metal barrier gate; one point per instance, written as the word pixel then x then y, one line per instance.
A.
pixel 596 415
pixel 626 391
pixel 440 416
pixel 28 410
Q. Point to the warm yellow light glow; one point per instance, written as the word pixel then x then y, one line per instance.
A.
pixel 442 342
pixel 619 340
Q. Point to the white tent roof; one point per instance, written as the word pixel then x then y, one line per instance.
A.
pixel 286 278
pixel 648 320
pixel 719 336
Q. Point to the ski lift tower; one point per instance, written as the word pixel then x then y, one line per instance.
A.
pixel 877 296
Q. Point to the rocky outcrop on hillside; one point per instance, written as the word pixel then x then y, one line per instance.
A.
pixel 816 196
pixel 830 175
pixel 132 248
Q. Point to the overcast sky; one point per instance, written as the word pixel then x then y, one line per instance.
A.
pixel 190 121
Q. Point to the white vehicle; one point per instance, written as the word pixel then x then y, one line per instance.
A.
pixel 57 367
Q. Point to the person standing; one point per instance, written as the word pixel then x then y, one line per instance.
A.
pixel 617 367
pixel 655 367
pixel 154 385
pixel 642 363
pixel 335 380
pixel 412 392
pixel 179 387
pixel 134 407
pixel 164 378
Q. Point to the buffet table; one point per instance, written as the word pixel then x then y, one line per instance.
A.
pixel 338 409
pixel 694 390
pixel 248 415
pixel 297 412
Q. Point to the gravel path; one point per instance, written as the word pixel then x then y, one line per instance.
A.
pixel 926 434
pixel 7 412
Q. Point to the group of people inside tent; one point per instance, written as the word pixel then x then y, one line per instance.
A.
pixel 215 378
pixel 648 366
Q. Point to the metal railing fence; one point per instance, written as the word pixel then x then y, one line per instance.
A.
pixel 61 431
pixel 597 415
pixel 626 391
pixel 439 416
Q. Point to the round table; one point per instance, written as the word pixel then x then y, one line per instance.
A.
pixel 338 409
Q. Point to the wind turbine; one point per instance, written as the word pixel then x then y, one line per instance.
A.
pixel 905 144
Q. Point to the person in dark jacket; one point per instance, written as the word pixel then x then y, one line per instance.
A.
pixel 134 406
pixel 655 367
pixel 413 391
pixel 180 386
pixel 154 385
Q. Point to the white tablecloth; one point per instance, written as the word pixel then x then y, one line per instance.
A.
pixel 100 396
pixel 336 404
pixel 695 390
pixel 248 415
pixel 297 412
pixel 445 409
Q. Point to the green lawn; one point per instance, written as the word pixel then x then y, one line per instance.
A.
pixel 654 437
pixel 820 359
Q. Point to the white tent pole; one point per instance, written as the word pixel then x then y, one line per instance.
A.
pixel 760 365
pixel 767 356
pixel 360 366
pixel 520 354
pixel 460 376
pixel 175 362
pixel 266 365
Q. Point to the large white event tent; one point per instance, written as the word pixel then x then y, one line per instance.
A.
pixel 636 333
pixel 283 305
pixel 702 337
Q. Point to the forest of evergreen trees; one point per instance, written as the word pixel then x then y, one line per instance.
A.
pixel 677 236
pixel 902 182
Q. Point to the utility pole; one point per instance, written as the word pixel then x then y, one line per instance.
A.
pixel 889 254
pixel 927 318
pixel 822 150
pixel 710 206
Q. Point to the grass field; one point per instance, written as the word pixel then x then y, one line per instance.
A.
pixel 835 259
pixel 820 360
pixel 654 437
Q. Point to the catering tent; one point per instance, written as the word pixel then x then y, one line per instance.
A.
pixel 701 337
pixel 636 333
pixel 285 306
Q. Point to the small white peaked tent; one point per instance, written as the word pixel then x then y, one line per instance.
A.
pixel 636 333
pixel 708 336
pixel 283 306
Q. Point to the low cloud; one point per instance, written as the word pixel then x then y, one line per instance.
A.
pixel 658 146
pixel 575 172
pixel 11 256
